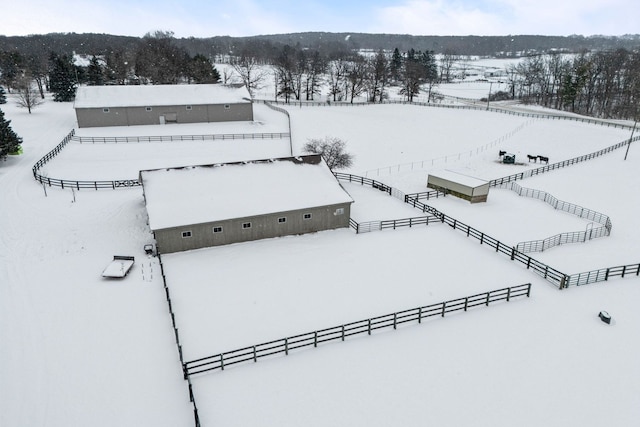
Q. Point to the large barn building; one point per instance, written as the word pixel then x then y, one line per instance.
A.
pixel 201 206
pixel 130 105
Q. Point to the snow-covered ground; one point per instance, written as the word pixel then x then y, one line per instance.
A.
pixel 81 350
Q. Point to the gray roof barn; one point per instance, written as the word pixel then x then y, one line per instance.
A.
pixel 201 206
pixel 130 105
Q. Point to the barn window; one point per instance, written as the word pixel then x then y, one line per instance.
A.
pixel 148 108
pixel 188 107
pixel 186 234
pixel 246 225
pixel 282 220
pixel 227 106
pixel 339 211
pixel 217 229
pixel 306 216
pixel 105 110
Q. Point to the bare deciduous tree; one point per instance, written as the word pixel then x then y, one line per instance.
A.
pixel 332 150
pixel 250 72
pixel 26 95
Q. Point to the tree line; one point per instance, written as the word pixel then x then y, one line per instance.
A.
pixel 600 84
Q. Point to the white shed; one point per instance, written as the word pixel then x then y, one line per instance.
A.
pixel 463 186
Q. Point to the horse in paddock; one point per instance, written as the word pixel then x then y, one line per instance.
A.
pixel 544 159
pixel 534 158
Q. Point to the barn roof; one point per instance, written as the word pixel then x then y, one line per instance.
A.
pixel 154 95
pixel 201 194
pixel 462 179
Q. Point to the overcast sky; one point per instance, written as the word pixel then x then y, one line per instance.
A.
pixel 206 18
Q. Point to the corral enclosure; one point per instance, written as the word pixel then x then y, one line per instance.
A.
pixel 550 345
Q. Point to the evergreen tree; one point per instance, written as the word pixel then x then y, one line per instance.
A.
pixel 395 66
pixel 95 73
pixel 9 141
pixel 201 70
pixel 3 96
pixel 62 78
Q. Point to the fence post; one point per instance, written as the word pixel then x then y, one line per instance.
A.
pixel 395 318
pixel 342 332
pixel 286 346
pixel 508 294
pixel 513 253
pixel 444 305
pixel 255 357
pixel 369 326
pixel 420 309
pixel 221 362
pixel 315 339
pixel 487 303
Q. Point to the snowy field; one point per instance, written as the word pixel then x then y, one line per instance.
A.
pixel 81 350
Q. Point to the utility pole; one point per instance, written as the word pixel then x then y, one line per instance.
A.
pixel 489 97
pixel 631 139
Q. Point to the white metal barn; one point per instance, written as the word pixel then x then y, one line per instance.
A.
pixel 466 187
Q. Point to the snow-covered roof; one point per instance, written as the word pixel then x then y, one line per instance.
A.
pixel 201 194
pixel 152 95
pixel 466 180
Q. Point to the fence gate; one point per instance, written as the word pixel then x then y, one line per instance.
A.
pixel 397 194
pixel 365 227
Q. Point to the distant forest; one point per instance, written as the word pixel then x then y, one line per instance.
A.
pixel 596 75
pixel 516 45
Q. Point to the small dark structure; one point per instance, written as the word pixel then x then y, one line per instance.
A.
pixel 501 153
pixel 509 158
pixel 605 317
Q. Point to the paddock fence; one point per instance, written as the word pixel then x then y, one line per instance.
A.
pixel 192 398
pixel 561 238
pixel 340 333
pixel 547 168
pixel 548 273
pixel 480 107
pixel 171 138
pixel 603 275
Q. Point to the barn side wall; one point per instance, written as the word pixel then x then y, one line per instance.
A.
pixel 133 116
pixel 265 226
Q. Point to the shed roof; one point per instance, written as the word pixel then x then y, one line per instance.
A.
pixel 200 194
pixel 466 180
pixel 152 95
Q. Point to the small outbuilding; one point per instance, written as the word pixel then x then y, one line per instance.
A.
pixel 131 105
pixel 463 186
pixel 202 206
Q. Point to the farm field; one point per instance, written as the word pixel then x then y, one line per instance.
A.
pixel 80 350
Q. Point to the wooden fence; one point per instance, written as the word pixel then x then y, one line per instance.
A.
pixel 192 397
pixel 168 138
pixel 284 346
pixel 550 274
pixel 532 172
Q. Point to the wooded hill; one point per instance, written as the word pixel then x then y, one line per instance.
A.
pixel 511 45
